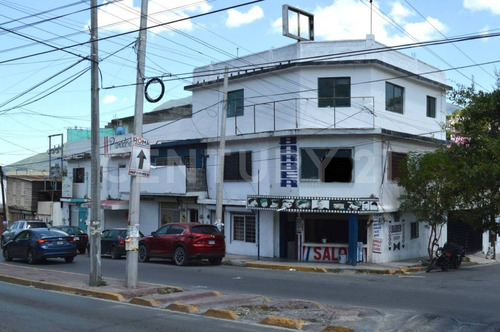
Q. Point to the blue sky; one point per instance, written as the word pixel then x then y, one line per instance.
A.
pixel 45 82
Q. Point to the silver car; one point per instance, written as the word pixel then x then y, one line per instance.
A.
pixel 18 226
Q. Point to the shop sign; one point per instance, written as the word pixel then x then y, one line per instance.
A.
pixel 312 204
pixel 289 175
pixel 326 253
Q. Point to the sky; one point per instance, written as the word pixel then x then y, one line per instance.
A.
pixel 45 72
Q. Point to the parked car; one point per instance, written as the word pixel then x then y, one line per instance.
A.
pixel 18 226
pixel 183 242
pixel 37 244
pixel 113 242
pixel 82 238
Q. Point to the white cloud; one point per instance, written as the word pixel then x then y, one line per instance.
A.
pixel 479 5
pixel 122 16
pixel 400 13
pixel 350 19
pixel 236 18
pixel 109 99
pixel 277 26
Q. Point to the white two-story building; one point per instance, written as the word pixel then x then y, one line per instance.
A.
pixel 314 134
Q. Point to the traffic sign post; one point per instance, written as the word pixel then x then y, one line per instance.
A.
pixel 140 163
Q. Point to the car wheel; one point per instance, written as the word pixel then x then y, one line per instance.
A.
pixel 30 257
pixel 6 255
pixel 143 253
pixel 114 253
pixel 215 261
pixel 69 259
pixel 180 256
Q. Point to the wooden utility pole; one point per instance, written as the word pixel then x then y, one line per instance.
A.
pixel 95 223
pixel 222 152
pixel 135 190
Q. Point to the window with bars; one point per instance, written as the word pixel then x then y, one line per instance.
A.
pixel 238 166
pixel 334 92
pixel 244 228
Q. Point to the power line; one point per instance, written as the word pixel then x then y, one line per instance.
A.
pixel 132 31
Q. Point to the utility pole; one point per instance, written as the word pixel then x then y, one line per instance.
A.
pixel 135 194
pixel 3 195
pixel 222 149
pixel 95 223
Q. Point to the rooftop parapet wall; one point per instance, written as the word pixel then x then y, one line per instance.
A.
pixel 331 51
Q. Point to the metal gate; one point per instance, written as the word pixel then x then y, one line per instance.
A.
pixel 464 234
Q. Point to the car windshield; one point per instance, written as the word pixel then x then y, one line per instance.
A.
pixel 123 234
pixel 36 224
pixel 72 230
pixel 205 229
pixel 50 233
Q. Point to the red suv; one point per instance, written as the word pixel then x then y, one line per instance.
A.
pixel 183 242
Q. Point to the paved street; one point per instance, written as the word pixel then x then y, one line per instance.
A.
pixel 29 309
pixel 464 299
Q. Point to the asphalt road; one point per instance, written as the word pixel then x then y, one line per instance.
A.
pixel 30 309
pixel 469 294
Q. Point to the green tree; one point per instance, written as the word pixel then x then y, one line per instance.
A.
pixel 427 179
pixel 476 153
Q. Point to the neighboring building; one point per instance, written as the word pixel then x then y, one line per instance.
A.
pixel 33 197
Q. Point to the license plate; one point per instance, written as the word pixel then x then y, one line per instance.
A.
pixel 211 241
pixel 60 242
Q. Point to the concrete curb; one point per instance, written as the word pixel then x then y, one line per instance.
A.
pixel 61 288
pixel 221 313
pixel 145 302
pixel 290 323
pixel 286 267
pixel 188 308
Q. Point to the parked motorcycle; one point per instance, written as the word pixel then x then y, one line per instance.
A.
pixel 450 255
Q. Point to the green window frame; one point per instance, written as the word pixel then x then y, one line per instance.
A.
pixel 431 107
pixel 334 92
pixel 235 100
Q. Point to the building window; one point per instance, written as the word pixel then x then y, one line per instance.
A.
pixel 168 161
pixel 414 230
pixel 235 103
pixel 394 98
pixel 244 228
pixel 431 107
pixel 238 166
pixel 334 92
pixel 395 160
pixel 79 175
pixel 326 165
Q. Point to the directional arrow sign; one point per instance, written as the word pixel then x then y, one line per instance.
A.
pixel 139 164
pixel 141 157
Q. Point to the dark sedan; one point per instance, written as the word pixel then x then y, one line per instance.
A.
pixel 113 242
pixel 37 244
pixel 82 239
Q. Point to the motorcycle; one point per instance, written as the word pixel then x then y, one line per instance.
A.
pixel 450 255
